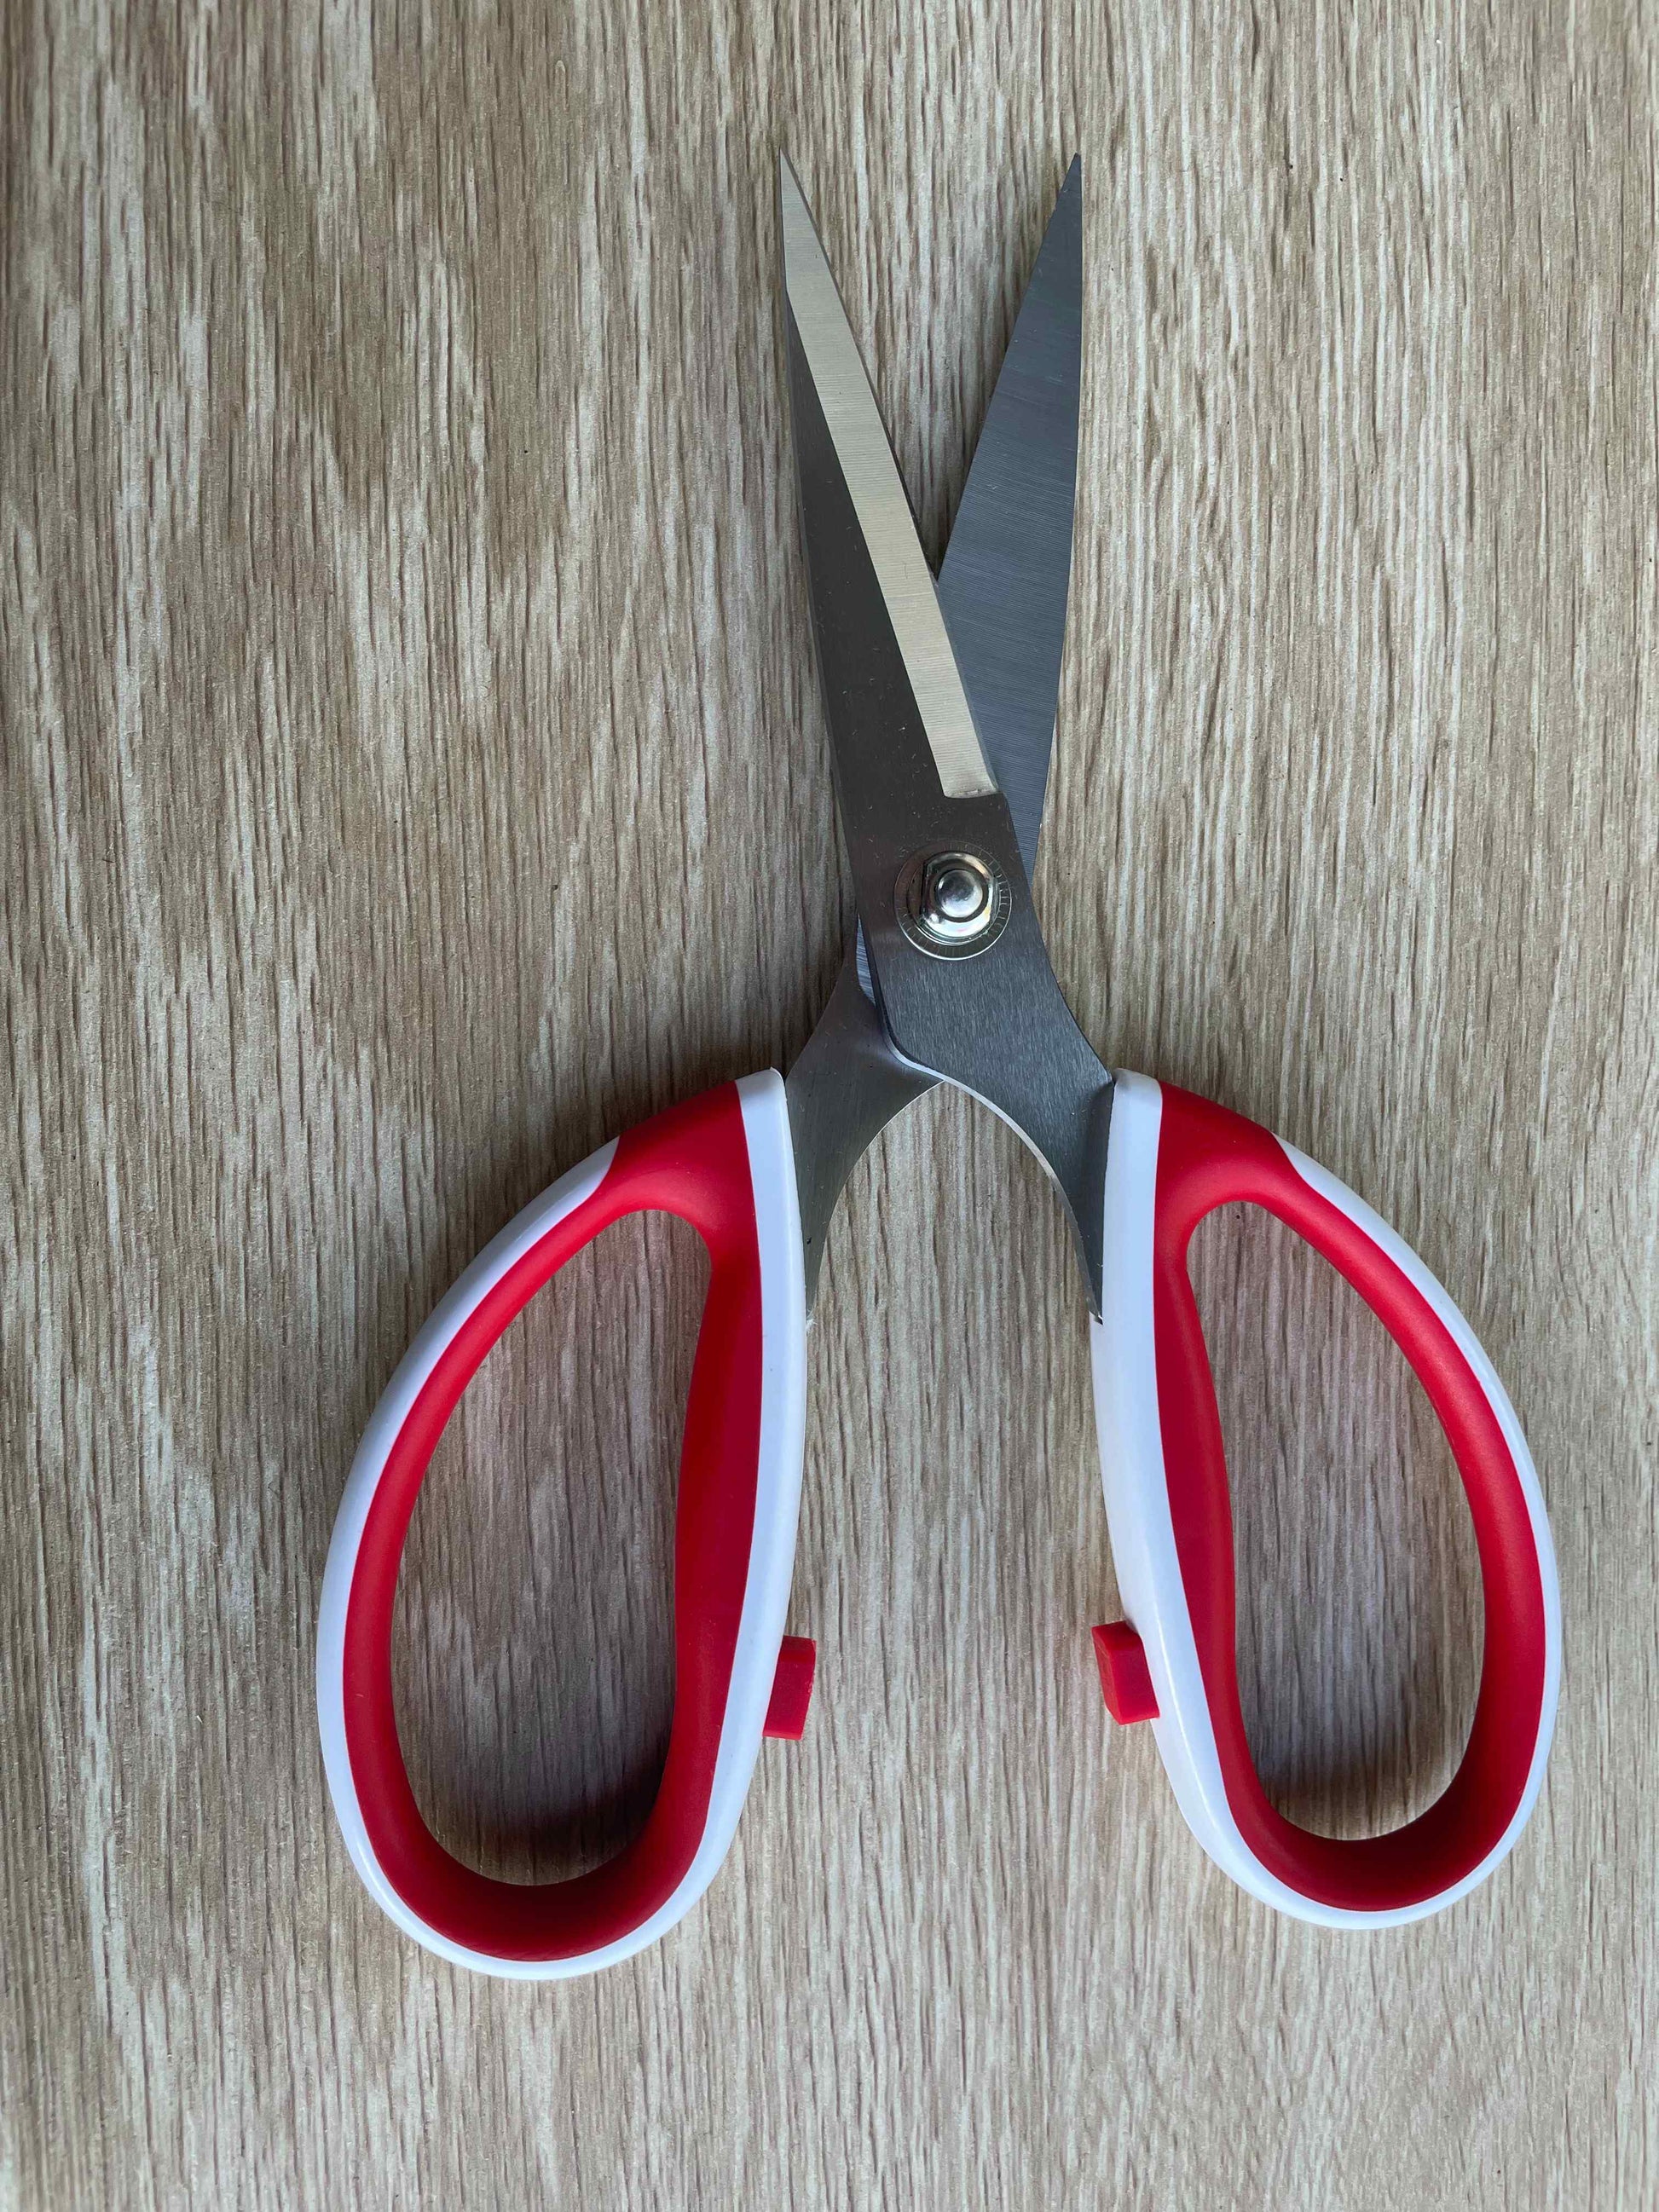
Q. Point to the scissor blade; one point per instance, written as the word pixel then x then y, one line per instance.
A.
pixel 993 1021
pixel 1007 568
pixel 872 481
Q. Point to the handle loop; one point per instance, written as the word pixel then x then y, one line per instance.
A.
pixel 724 1163
pixel 1174 1159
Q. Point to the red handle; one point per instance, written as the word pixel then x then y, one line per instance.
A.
pixel 1170 1491
pixel 722 1162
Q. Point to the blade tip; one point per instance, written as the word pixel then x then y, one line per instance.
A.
pixel 794 217
pixel 789 191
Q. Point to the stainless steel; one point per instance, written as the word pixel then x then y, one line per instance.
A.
pixel 995 1025
pixel 952 905
pixel 843 1091
pixel 956 893
pixel 1003 586
pixel 878 499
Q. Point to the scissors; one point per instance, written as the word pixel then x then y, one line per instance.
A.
pixel 941 697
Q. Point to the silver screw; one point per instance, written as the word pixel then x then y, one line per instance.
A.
pixel 952 906
pixel 955 891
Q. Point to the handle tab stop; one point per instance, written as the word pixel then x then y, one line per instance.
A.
pixel 791 1689
pixel 1125 1677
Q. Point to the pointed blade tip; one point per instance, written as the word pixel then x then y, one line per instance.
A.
pixel 1070 194
pixel 799 232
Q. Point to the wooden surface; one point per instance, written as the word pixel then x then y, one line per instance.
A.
pixel 414 773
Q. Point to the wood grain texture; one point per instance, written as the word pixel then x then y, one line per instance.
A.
pixel 413 774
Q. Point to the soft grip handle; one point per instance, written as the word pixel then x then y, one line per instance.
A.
pixel 1172 1159
pixel 723 1163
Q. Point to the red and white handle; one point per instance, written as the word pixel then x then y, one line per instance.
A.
pixel 1171 1159
pixel 725 1163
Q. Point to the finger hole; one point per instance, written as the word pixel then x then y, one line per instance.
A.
pixel 533 1632
pixel 1360 1604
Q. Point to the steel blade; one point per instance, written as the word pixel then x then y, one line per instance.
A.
pixel 992 1022
pixel 859 437
pixel 1007 568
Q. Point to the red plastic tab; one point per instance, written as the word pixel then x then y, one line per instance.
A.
pixel 1125 1677
pixel 792 1689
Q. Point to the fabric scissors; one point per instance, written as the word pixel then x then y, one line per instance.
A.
pixel 940 695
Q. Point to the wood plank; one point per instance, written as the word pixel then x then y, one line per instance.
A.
pixel 413 774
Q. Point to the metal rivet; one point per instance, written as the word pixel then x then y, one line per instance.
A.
pixel 955 891
pixel 951 904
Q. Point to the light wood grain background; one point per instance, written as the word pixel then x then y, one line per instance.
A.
pixel 413 773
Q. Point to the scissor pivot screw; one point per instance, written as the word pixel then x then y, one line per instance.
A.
pixel 951 904
pixel 954 893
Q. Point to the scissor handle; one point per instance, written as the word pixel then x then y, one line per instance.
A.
pixel 1172 1159
pixel 723 1163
